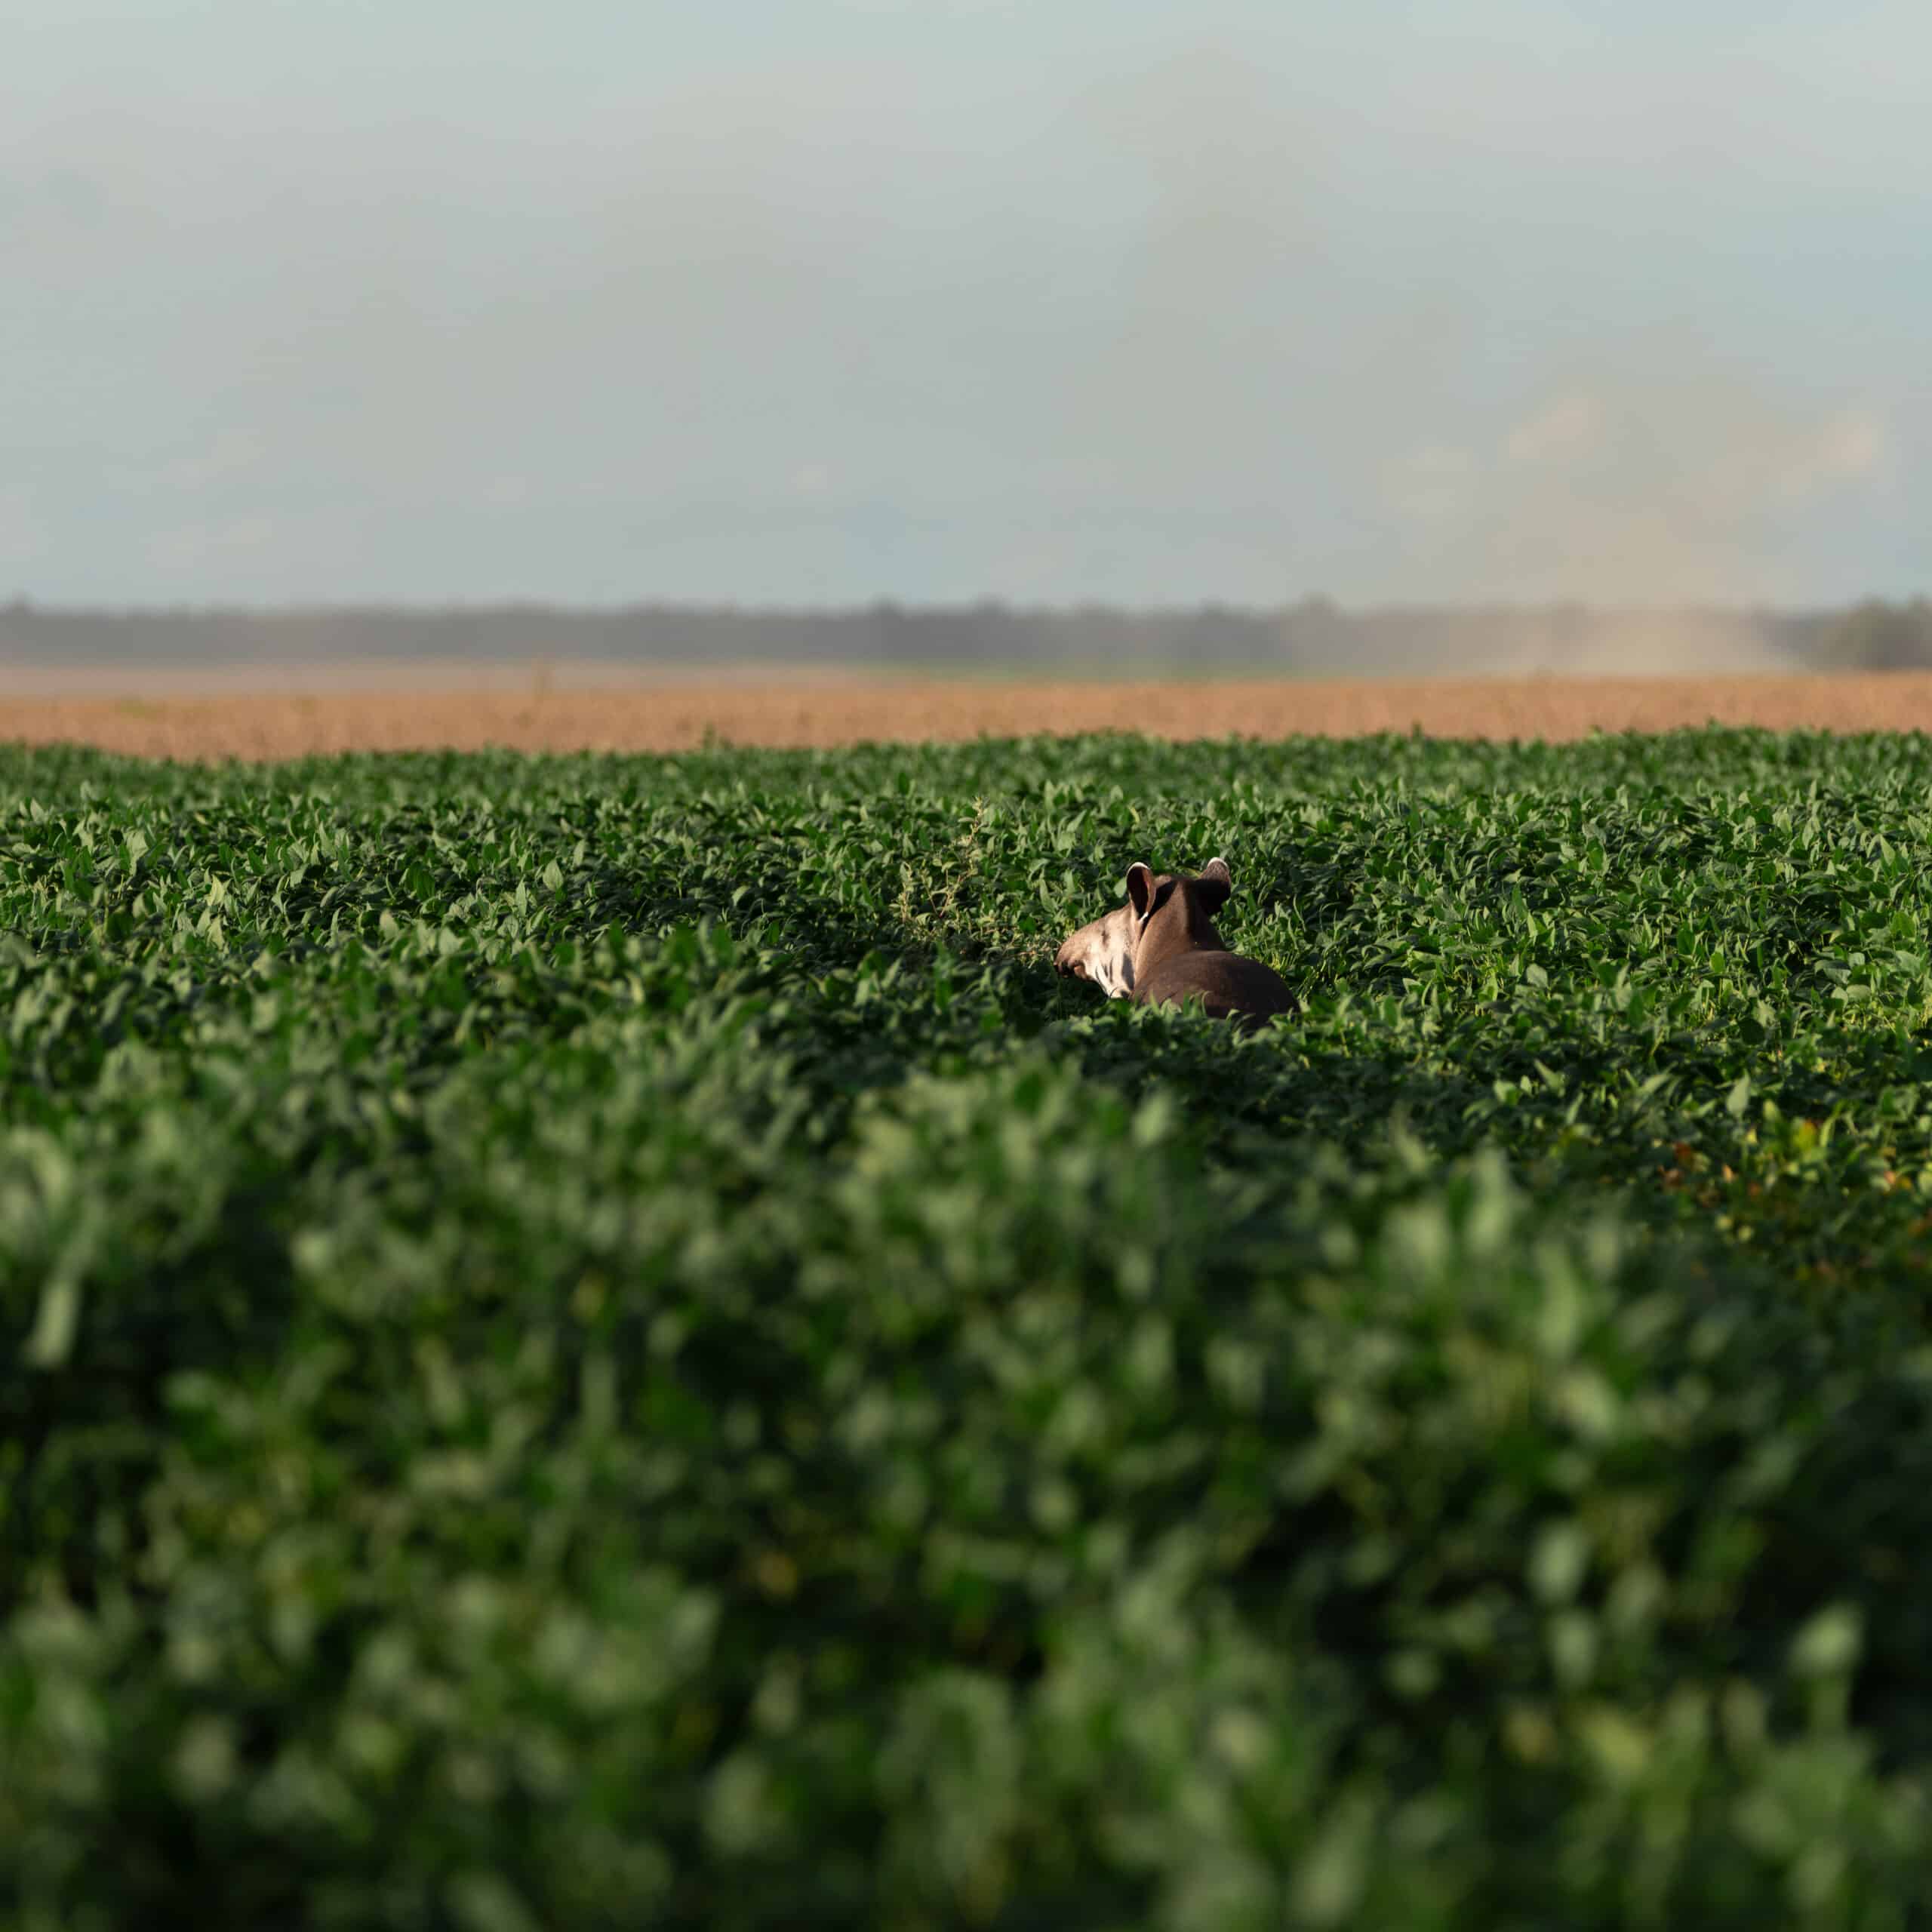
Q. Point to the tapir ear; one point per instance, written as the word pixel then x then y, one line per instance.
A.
pixel 1215 883
pixel 1140 889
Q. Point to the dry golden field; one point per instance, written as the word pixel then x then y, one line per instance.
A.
pixel 543 714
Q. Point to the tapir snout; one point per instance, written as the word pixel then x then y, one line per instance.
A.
pixel 1102 951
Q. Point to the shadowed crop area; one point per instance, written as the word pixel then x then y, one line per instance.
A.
pixel 597 1341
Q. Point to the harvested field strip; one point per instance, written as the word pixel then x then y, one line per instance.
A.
pixel 682 716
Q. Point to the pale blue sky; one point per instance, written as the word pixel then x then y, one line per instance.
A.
pixel 821 300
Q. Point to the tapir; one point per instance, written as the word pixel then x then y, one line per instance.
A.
pixel 1160 949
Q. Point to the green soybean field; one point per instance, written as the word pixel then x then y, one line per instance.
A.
pixel 598 1341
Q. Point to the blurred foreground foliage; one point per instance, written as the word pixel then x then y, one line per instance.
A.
pixel 598 1342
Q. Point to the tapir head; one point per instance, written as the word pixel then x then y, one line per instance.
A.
pixel 1108 951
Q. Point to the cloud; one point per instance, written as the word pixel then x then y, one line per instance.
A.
pixel 812 482
pixel 230 455
pixel 1560 431
pixel 1849 447
pixel 23 533
pixel 38 203
pixel 1436 480
pixel 1198 373
pixel 963 9
pixel 190 546
pixel 1663 475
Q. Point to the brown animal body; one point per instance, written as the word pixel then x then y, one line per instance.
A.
pixel 1160 949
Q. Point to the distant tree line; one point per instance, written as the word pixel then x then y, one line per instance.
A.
pixel 1314 637
pixel 996 636
pixel 1878 636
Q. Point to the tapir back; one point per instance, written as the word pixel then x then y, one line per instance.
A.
pixel 1226 984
